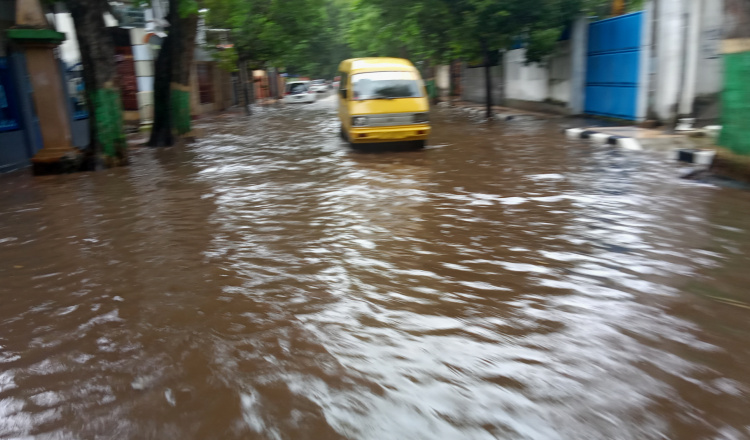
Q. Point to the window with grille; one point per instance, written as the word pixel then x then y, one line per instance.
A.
pixel 205 83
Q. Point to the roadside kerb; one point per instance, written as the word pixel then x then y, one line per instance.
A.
pixel 679 147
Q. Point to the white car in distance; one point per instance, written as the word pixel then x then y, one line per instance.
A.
pixel 299 92
pixel 319 86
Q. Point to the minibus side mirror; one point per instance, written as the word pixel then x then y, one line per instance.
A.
pixel 343 93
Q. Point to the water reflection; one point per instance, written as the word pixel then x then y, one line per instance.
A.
pixel 268 282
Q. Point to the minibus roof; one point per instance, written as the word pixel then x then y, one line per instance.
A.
pixel 358 65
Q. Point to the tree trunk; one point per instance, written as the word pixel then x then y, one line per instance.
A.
pixel 182 65
pixel 270 74
pixel 161 130
pixel 487 79
pixel 107 137
pixel 503 82
pixel 251 80
pixel 428 74
pixel 243 80
pixel 172 78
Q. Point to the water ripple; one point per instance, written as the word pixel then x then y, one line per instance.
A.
pixel 268 282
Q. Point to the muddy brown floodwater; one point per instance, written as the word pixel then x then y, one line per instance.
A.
pixel 267 282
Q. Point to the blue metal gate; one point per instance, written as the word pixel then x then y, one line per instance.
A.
pixel 613 67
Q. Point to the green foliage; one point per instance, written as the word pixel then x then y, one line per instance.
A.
pixel 415 30
pixel 227 59
pixel 541 43
pixel 634 5
pixel 310 37
pixel 304 36
pixel 188 8
pixel 438 31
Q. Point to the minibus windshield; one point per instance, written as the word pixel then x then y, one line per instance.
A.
pixel 385 85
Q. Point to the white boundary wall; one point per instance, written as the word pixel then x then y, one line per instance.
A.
pixel 681 57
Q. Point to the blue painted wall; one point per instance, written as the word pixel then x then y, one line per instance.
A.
pixel 20 136
pixel 15 141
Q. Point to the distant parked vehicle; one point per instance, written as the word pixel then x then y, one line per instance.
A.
pixel 318 86
pixel 299 92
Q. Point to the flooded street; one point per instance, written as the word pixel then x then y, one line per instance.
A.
pixel 267 282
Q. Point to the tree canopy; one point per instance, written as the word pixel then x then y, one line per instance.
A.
pixel 302 36
pixel 310 37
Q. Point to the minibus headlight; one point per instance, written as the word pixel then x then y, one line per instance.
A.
pixel 359 121
pixel 421 118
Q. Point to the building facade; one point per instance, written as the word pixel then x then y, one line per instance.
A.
pixel 138 33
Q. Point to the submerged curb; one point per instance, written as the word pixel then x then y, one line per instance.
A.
pixel 626 143
pixel 696 156
pixel 498 115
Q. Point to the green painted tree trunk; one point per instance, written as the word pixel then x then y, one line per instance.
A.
pixel 107 119
pixel 180 101
pixel 242 74
pixel 172 78
pixel 108 144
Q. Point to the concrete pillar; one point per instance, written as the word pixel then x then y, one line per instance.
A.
pixel 443 79
pixel 578 57
pixel 692 47
pixel 669 57
pixel 29 14
pixel 49 101
pixel 644 73
pixel 464 82
pixel 38 40
pixel 710 67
